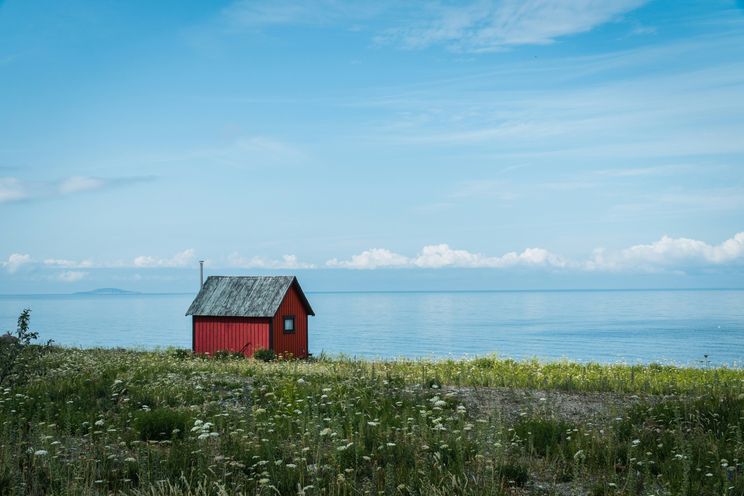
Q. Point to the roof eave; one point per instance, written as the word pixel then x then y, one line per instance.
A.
pixel 305 302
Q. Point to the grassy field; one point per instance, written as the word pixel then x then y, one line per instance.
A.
pixel 116 421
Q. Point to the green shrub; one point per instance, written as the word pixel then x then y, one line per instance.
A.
pixel 19 356
pixel 265 355
pixel 433 383
pixel 181 353
pixel 6 483
pixel 484 362
pixel 161 424
pixel 227 355
pixel 713 414
pixel 543 436
pixel 513 474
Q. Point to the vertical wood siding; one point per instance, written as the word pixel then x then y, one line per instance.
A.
pixel 213 334
pixel 297 343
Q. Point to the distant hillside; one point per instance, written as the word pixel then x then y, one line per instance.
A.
pixel 108 291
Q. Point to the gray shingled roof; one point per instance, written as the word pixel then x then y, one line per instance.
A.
pixel 244 296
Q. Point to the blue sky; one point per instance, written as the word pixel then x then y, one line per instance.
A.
pixel 575 140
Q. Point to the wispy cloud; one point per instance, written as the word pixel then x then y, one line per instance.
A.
pixel 655 170
pixel 13 189
pixel 659 109
pixel 498 189
pixel 71 276
pixel 682 201
pixel 77 184
pixel 251 13
pixel 68 264
pixel 183 258
pixel 244 151
pixel 486 26
pixel 472 26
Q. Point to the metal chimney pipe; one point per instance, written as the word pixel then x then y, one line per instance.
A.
pixel 201 273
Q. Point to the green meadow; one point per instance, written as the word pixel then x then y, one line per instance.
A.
pixel 93 421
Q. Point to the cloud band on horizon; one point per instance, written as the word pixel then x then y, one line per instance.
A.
pixel 665 254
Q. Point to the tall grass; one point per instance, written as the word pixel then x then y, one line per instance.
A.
pixel 104 421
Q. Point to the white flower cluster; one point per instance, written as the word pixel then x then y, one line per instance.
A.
pixel 203 429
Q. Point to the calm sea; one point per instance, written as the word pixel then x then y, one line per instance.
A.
pixel 606 326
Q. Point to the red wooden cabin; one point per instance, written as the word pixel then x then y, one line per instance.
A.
pixel 247 313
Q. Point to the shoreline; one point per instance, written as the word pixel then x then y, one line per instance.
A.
pixel 465 357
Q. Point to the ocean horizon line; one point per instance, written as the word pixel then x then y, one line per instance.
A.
pixel 390 291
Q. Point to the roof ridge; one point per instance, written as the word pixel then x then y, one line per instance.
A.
pixel 238 277
pixel 241 296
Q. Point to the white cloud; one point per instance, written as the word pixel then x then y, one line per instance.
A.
pixel 668 253
pixel 180 259
pixel 71 275
pixel 665 254
pixel 371 259
pixel 435 256
pixel 15 261
pixel 286 262
pixel 532 256
pixel 484 26
pixel 441 255
pixel 11 190
pixel 68 264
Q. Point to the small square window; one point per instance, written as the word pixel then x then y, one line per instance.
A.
pixel 289 324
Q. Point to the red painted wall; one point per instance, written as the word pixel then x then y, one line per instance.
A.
pixel 213 334
pixel 296 343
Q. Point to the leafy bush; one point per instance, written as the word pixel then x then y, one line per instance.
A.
pixel 181 353
pixel 484 362
pixel 6 483
pixel 227 354
pixel 513 474
pixel 264 355
pixel 17 353
pixel 434 383
pixel 161 424
pixel 543 436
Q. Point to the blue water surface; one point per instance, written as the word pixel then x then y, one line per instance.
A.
pixel 664 326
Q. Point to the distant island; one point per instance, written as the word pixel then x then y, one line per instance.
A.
pixel 108 291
